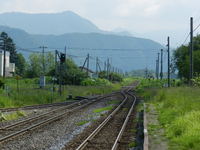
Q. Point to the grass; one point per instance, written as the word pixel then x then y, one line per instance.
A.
pixel 179 114
pixel 12 116
pixel 132 144
pixel 99 110
pixel 82 122
pixel 30 94
pixel 113 102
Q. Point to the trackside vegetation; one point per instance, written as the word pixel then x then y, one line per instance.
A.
pixel 178 113
pixel 28 92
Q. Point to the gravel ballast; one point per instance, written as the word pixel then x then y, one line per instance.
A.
pixel 55 135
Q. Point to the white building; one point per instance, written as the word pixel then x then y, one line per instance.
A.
pixel 9 68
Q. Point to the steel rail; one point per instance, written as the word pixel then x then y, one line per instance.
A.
pixel 52 119
pixel 96 131
pixel 40 116
pixel 117 141
pixel 34 106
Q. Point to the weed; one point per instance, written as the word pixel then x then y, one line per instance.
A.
pixel 82 122
pixel 179 114
pixel 132 144
pixel 99 110
pixel 14 115
pixel 113 102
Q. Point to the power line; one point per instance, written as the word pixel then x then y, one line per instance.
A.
pixel 196 28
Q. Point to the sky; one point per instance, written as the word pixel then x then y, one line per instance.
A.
pixel 154 19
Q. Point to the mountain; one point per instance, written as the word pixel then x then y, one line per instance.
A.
pixel 125 52
pixel 52 23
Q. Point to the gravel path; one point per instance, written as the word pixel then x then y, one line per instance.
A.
pixel 55 135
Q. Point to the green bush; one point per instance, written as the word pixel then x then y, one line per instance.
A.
pixel 2 83
pixel 95 82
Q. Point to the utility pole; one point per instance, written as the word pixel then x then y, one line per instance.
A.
pixel 4 59
pixel 156 74
pixel 88 63
pixel 96 65
pixel 65 51
pixel 43 61
pixel 161 65
pixel 168 50
pixel 191 50
pixel 105 65
pixel 56 65
pixel 108 69
pixel 158 65
pixel 146 73
pixel 42 78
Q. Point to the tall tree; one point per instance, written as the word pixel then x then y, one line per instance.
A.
pixel 9 45
pixel 35 64
pixel 181 59
pixel 20 64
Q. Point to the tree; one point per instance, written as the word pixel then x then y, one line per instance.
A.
pixel 35 65
pixel 20 64
pixel 114 77
pixel 9 45
pixel 72 74
pixel 181 59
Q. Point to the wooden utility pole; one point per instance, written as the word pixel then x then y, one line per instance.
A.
pixel 161 65
pixel 4 59
pixel 108 68
pixel 43 61
pixel 191 50
pixel 96 65
pixel 88 63
pixel 65 51
pixel 168 50
pixel 158 64
pixel 156 74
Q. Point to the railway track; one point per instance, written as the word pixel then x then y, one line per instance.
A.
pixel 38 106
pixel 109 133
pixel 19 128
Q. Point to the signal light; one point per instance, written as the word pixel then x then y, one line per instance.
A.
pixel 62 58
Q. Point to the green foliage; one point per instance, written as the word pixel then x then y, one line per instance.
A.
pixel 113 102
pixel 30 94
pixel 20 65
pixel 180 116
pixel 82 122
pixel 35 65
pixel 14 115
pixel 1 83
pixel 99 110
pixel 114 77
pixel 196 81
pixel 95 82
pixel 181 59
pixel 72 74
pixel 9 45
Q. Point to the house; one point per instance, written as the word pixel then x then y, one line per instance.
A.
pixel 90 72
pixel 9 67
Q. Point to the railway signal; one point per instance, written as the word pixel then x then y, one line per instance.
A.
pixel 62 58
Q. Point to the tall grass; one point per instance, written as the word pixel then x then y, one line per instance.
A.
pixel 29 92
pixel 179 114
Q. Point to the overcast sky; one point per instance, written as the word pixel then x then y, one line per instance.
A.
pixel 155 19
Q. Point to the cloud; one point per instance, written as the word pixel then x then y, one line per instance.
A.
pixel 143 16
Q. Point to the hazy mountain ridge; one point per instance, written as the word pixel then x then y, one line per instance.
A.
pixel 48 23
pixel 134 51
